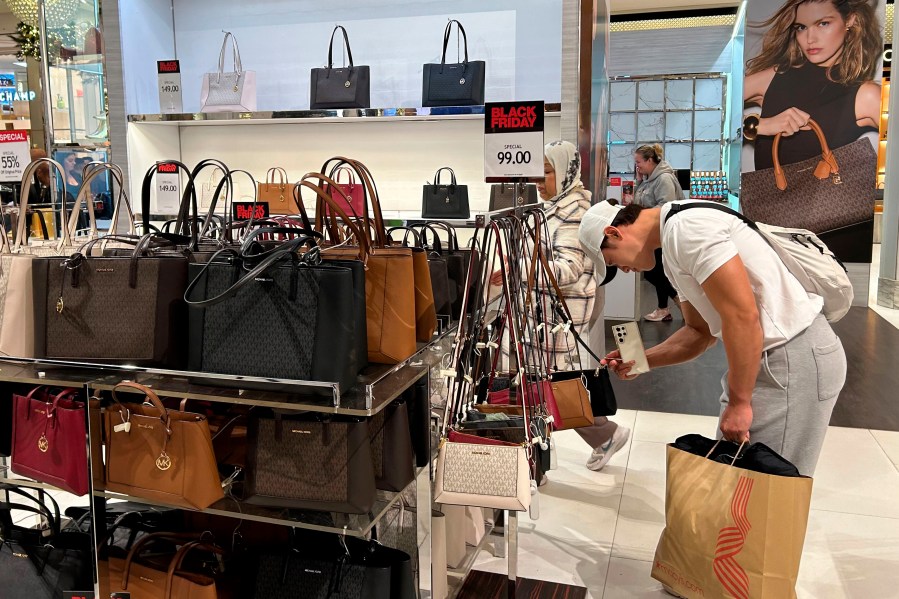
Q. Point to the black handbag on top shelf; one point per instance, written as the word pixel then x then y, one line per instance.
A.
pixel 460 84
pixel 346 87
pixel 439 200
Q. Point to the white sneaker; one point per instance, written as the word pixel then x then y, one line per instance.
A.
pixel 602 454
pixel 659 315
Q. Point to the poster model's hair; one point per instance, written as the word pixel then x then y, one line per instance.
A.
pixel 861 52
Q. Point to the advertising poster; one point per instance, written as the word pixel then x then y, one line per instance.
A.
pixel 812 106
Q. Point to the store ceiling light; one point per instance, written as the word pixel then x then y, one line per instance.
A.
pixel 58 11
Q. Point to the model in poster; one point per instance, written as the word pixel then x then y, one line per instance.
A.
pixel 818 60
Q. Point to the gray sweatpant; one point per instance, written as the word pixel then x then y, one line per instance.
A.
pixel 795 392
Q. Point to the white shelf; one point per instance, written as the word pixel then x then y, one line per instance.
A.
pixel 344 115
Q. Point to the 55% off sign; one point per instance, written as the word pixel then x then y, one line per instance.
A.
pixel 513 141
pixel 14 155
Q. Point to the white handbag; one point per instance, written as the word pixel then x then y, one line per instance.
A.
pixel 490 476
pixel 229 92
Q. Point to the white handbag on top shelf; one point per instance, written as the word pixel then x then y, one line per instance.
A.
pixel 234 91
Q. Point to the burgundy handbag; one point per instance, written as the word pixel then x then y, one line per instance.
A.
pixel 49 439
pixel 353 190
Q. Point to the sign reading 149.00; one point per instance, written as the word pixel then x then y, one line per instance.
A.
pixel 513 141
pixel 14 155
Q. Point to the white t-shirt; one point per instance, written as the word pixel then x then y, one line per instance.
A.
pixel 697 242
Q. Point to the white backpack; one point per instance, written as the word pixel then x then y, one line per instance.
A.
pixel 805 256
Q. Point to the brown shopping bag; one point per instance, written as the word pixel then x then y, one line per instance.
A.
pixel 730 531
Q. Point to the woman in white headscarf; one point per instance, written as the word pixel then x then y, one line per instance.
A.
pixel 566 200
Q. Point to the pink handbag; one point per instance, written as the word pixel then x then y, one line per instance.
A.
pixel 353 190
pixel 49 439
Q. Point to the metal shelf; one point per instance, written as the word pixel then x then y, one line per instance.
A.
pixel 376 387
pixel 354 525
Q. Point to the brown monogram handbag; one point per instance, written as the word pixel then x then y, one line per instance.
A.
pixel 818 194
pixel 159 454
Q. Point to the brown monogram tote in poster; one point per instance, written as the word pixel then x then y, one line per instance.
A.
pixel 820 194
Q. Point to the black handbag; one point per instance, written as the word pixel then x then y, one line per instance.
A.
pixel 509 195
pixel 310 464
pixel 306 308
pixel 359 570
pixel 44 561
pixel 437 267
pixel 391 447
pixel 419 405
pixel 458 261
pixel 445 201
pixel 460 84
pixel 347 87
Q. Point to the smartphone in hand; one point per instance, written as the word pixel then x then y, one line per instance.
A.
pixel 630 346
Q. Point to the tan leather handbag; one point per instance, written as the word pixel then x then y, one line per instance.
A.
pixel 390 275
pixel 159 454
pixel 146 581
pixel 277 193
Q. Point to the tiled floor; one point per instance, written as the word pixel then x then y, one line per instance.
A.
pixel 599 530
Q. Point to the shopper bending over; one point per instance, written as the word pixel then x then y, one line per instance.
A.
pixel 656 184
pixel 786 366
pixel 566 201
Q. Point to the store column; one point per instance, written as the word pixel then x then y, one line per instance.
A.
pixel 888 282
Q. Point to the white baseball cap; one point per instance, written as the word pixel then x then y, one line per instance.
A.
pixel 591 235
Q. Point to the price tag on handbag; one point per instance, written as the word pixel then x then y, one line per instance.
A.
pixel 14 155
pixel 513 141
pixel 84 595
pixel 168 190
pixel 169 74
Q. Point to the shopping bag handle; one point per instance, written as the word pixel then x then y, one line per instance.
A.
pixel 736 455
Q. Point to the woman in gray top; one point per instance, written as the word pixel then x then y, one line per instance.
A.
pixel 656 184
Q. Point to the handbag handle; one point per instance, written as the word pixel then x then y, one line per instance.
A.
pixel 270 177
pixel 452 238
pixel 27 178
pixel 416 239
pixel 346 41
pixel 122 197
pixel 40 508
pixel 437 177
pixel 826 167
pixel 150 395
pixel 436 245
pixel 446 36
pixel 91 171
pixel 189 194
pixel 337 211
pixel 176 562
pixel 373 202
pixel 235 54
pixel 350 175
pixel 288 248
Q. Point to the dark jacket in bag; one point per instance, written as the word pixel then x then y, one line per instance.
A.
pixel 306 310
pixel 302 463
pixel 346 87
pixel 112 308
pixel 460 84
pixel 439 200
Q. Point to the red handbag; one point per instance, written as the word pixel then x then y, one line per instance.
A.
pixel 49 442
pixel 353 190
pixel 543 387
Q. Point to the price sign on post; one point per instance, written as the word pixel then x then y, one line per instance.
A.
pixel 168 189
pixel 513 141
pixel 169 86
pixel 14 155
